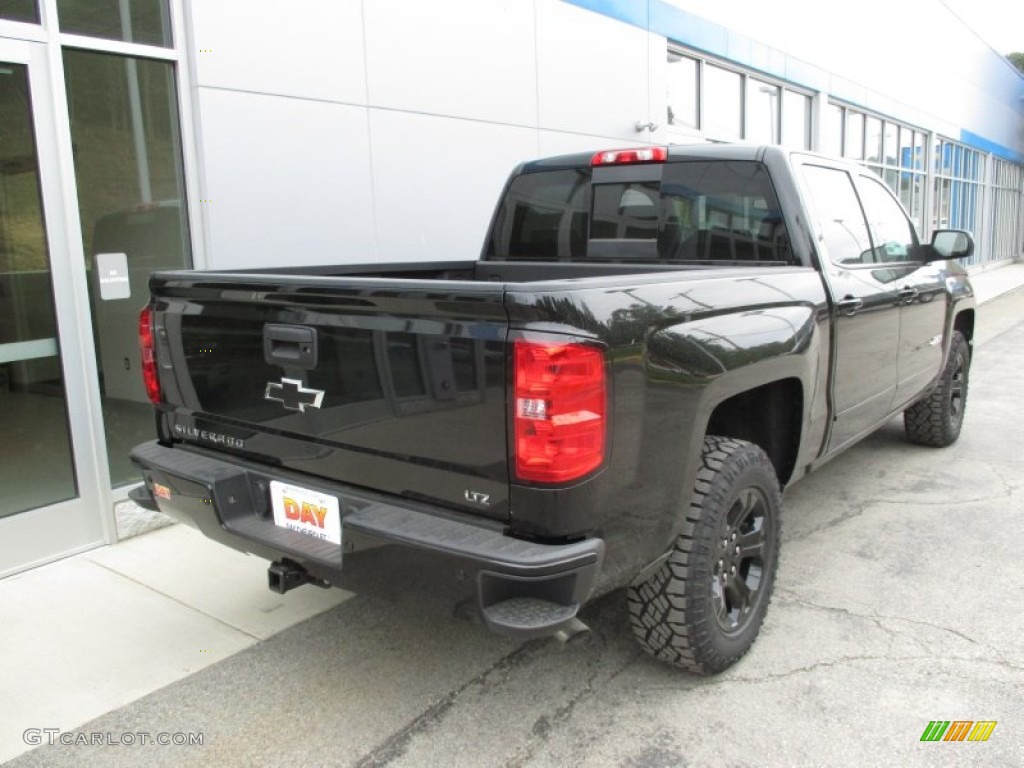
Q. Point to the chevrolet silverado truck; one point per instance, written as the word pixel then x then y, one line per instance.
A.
pixel 653 343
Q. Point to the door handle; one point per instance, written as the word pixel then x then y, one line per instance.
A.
pixel 849 305
pixel 290 346
pixel 908 294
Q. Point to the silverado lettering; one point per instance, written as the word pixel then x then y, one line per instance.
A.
pixel 208 437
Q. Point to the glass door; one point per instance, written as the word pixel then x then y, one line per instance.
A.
pixel 48 490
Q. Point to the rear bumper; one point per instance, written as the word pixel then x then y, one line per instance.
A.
pixel 229 502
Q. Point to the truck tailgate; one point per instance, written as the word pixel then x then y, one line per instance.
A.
pixel 398 386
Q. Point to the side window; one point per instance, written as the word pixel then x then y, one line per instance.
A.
pixel 839 216
pixel 891 230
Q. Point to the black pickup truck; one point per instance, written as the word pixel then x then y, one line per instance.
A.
pixel 652 344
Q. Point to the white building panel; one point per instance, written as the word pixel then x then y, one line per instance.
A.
pixel 594 72
pixel 463 58
pixel 561 143
pixel 312 49
pixel 284 181
pixel 437 181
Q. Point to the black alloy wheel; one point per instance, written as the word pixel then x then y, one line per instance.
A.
pixel 740 572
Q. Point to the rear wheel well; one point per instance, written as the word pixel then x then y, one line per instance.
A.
pixel 769 416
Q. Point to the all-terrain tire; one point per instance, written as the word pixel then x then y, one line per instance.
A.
pixel 703 608
pixel 937 418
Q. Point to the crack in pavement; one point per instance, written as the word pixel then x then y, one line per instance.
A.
pixel 598 675
pixel 785 596
pixel 545 724
pixel 398 743
pixel 1011 466
pixel 860 508
pixel 843 661
pixel 996 655
pixel 856 511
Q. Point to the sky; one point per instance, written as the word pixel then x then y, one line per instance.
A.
pixel 1000 23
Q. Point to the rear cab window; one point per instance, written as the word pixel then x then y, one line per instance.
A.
pixel 678 212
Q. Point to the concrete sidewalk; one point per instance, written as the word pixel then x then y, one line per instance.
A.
pixel 993 283
pixel 85 637
pixel 88 634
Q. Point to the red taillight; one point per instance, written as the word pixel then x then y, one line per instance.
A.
pixel 631 156
pixel 560 410
pixel 148 354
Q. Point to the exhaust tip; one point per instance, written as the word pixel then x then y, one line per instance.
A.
pixel 574 629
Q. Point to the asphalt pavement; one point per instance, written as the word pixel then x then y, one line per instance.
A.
pixel 898 602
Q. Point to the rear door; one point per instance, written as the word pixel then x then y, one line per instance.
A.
pixel 393 386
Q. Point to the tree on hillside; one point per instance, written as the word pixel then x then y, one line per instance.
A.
pixel 1017 59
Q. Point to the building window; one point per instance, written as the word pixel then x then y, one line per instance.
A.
pixel 136 21
pixel 131 195
pixel 36 462
pixel 129 172
pixel 853 136
pixel 958 187
pixel 873 140
pixel 723 103
pixel 796 119
pixel 683 91
pixel 762 115
pixel 726 104
pixel 1007 225
pixel 894 151
pixel 19 10
pixel 832 135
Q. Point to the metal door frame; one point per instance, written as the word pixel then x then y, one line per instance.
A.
pixel 40 535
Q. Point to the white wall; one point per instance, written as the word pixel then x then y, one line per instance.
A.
pixel 339 132
pixel 336 131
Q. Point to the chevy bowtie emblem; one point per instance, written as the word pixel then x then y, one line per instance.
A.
pixel 292 395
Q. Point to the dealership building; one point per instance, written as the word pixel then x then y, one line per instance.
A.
pixel 147 134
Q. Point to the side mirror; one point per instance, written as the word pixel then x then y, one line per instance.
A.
pixel 951 244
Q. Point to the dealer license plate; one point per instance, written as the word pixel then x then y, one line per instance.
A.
pixel 305 511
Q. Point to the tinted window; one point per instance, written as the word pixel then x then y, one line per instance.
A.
pixel 624 221
pixel 839 217
pixel 19 10
pixel 893 234
pixel 138 21
pixel 543 216
pixel 721 211
pixel 699 211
